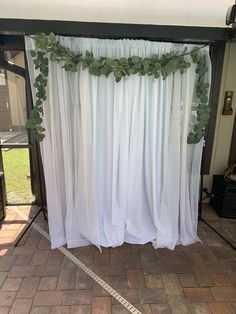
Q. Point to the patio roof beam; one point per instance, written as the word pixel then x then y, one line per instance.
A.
pixel 192 34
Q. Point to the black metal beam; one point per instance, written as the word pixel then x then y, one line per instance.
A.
pixel 217 59
pixel 115 30
pixel 12 43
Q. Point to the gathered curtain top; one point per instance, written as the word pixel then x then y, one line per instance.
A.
pixel 122 58
pixel 117 48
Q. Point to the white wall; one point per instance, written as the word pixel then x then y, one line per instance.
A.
pixel 162 12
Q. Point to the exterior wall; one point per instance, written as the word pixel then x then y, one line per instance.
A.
pixel 224 123
pixel 17 98
pixel 168 12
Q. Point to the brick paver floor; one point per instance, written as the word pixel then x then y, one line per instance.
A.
pixel 200 278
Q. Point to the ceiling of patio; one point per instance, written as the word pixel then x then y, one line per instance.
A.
pixel 184 12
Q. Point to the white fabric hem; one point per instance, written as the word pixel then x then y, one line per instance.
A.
pixel 165 243
pixel 186 242
pixel 76 243
pixel 132 240
pixel 56 243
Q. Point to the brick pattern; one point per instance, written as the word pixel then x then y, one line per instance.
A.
pixel 101 305
pixel 200 278
pixel 48 283
pixel 21 306
pixel 48 298
pixel 28 287
pixel 11 284
pixel 219 308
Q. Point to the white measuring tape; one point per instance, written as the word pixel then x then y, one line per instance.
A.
pixel 86 269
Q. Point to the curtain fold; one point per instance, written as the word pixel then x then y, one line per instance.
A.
pixel 116 160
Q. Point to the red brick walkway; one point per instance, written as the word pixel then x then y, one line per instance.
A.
pixel 195 279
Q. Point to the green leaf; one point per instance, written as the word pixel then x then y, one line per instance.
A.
pixel 138 65
pixel 191 139
pixel 146 66
pixel 33 53
pixel 29 124
pixel 204 99
pixel 41 41
pixel 132 71
pixel 202 106
pixel 39 109
pixel 87 53
pixel 40 128
pixel 38 120
pixel 39 102
pixel 123 61
pixel 157 75
pixel 52 37
pixel 195 56
pixel 203 117
pixel 39 136
pixel 136 59
pixel 109 61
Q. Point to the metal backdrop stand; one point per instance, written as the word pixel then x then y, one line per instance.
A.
pixel 42 209
pixel 200 206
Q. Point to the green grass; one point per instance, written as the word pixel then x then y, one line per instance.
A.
pixel 16 170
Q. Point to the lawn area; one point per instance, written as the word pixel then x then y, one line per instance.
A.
pixel 17 171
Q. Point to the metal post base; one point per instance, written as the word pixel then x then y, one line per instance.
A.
pixel 41 209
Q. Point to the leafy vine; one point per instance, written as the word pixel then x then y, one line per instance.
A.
pixel 201 94
pixel 47 46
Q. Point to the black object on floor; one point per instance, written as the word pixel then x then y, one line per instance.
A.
pixel 223 198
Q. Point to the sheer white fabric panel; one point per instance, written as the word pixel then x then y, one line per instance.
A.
pixel 116 160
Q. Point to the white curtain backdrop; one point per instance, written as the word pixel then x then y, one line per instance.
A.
pixel 116 160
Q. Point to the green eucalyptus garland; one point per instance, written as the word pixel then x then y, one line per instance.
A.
pixel 201 95
pixel 47 46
